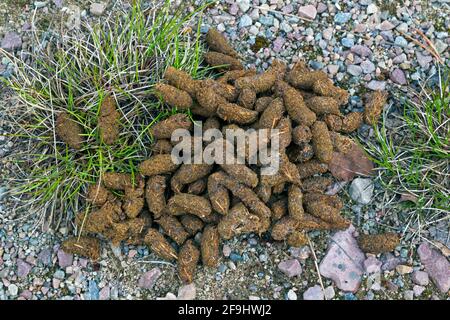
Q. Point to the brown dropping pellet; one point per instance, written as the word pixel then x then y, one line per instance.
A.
pixel 213 218
pixel 283 228
pixel 133 201
pixel 272 114
pixel 197 187
pixel 351 122
pixel 302 78
pixel 325 87
pixel 378 243
pixel 172 96
pixel 247 98
pixel 99 220
pixel 300 153
pixel 69 130
pixel 182 203
pixel 173 228
pixel 117 181
pixel 222 61
pixel 165 128
pixel 289 170
pixel 327 213
pixel 198 110
pixel 264 192
pixel 217 42
pixel 297 239
pixel 333 122
pixel 207 97
pixel 249 198
pixel 295 105
pixel 136 228
pixel 162 146
pixel 226 91
pixel 108 121
pixel 284 128
pixel 341 143
pixel 187 261
pixel 97 194
pixel 265 81
pixel 241 173
pixel 211 123
pixel 279 188
pixel 262 103
pixel 234 113
pixel 238 221
pixel 210 242
pixel 181 80
pixel 279 209
pixel 157 164
pixel 374 106
pixel 331 200
pixel 301 134
pixel 159 245
pixel 311 168
pixel 218 194
pixel 233 75
pixel 321 141
pixel 188 173
pixel 310 222
pixel 323 105
pixel 155 194
pixel 316 184
pixel 192 224
pixel 83 246
pixel 295 202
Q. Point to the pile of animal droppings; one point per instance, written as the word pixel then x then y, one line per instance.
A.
pixel 168 204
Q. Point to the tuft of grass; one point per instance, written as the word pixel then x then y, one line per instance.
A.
pixel 414 157
pixel 123 56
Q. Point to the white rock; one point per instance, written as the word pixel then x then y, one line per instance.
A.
pixel 187 292
pixel 291 295
pixel 361 190
pixel 97 9
pixel 372 8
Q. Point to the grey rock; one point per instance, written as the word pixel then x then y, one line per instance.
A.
pixel 23 268
pixel 308 11
pixel 354 70
pixel 59 274
pixel 245 21
pixel 386 25
pixel 362 51
pixel 361 190
pixel 372 8
pixel 329 293
pixel 408 295
pixel 372 265
pixel 342 17
pixel 343 262
pixel 226 250
pixel 12 41
pixel 402 27
pixel 313 293
pixel 399 59
pixel 390 262
pixel 148 279
pixel 418 290
pixel 45 256
pixel 105 293
pixel 40 4
pixel 291 267
pixel 367 66
pixel 441 46
pixel 401 42
pixel 64 259
pixel 423 60
pixel 436 265
pixel 244 5
pixel 420 277
pixel 398 76
pixel 58 3
pixel 376 85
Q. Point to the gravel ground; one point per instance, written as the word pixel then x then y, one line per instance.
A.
pixel 361 45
